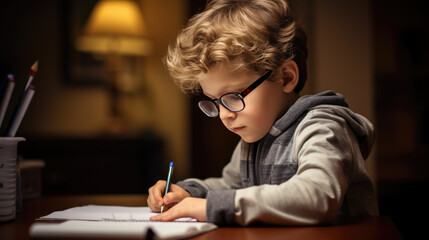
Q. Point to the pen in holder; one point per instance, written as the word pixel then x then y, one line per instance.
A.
pixel 9 177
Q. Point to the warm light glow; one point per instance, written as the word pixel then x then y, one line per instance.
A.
pixel 115 27
pixel 109 45
pixel 116 17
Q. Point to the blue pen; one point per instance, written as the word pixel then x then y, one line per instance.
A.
pixel 170 172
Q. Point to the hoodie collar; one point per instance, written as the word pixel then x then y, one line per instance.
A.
pixel 301 106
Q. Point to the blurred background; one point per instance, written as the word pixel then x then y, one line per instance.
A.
pixel 106 118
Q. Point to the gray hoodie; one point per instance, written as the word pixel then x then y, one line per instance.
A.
pixel 309 168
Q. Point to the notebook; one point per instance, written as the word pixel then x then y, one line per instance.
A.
pixel 114 222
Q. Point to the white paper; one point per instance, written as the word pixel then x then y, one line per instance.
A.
pixel 106 213
pixel 99 229
pixel 114 222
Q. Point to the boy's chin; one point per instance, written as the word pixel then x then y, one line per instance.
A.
pixel 248 139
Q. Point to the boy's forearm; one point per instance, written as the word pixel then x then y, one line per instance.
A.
pixel 231 178
pixel 194 187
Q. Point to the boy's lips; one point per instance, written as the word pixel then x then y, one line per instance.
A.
pixel 236 129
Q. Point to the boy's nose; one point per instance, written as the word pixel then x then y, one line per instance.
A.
pixel 225 113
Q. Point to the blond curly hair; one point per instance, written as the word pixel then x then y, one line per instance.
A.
pixel 243 35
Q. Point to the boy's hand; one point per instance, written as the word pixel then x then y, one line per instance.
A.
pixel 188 207
pixel 155 199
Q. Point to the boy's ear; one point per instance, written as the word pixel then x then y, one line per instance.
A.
pixel 290 75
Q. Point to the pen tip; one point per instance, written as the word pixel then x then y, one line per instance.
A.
pixel 171 164
pixel 35 66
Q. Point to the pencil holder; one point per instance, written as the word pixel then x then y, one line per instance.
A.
pixel 8 177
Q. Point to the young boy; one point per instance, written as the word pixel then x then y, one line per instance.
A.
pixel 301 160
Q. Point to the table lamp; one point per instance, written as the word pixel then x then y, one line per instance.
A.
pixel 115 29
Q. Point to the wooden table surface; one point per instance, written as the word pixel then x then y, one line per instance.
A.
pixel 348 228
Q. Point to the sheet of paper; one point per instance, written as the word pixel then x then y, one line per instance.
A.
pixel 114 222
pixel 111 229
pixel 106 213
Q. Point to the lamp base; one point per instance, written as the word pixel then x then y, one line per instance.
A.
pixel 116 125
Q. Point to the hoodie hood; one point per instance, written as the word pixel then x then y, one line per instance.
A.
pixel 362 128
pixel 302 105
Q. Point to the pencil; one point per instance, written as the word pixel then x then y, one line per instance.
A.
pixel 33 71
pixel 167 185
pixel 20 111
pixel 6 97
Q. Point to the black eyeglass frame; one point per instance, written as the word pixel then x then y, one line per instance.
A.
pixel 240 95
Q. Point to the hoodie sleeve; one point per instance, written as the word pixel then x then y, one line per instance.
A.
pixel 329 162
pixel 230 179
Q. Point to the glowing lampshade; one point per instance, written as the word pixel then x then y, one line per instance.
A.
pixel 116 17
pixel 115 26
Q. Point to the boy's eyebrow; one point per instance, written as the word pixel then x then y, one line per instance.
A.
pixel 212 97
pixel 208 95
pixel 237 88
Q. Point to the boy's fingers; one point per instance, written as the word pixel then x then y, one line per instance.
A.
pixel 171 198
pixel 155 194
pixel 175 188
pixel 165 216
pixel 159 189
pixel 176 195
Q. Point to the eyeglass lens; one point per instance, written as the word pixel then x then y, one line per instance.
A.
pixel 209 108
pixel 231 101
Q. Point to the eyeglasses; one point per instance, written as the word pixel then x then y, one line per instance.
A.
pixel 232 101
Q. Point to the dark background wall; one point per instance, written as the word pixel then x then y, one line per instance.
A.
pixel 398 69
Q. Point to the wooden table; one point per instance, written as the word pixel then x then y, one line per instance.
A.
pixel 348 228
